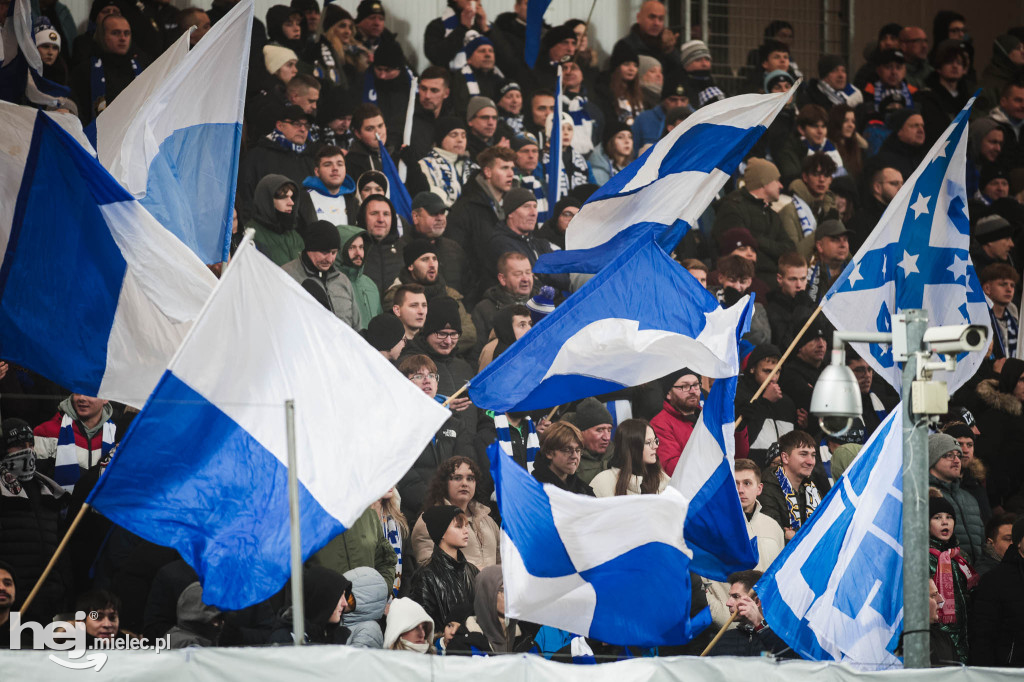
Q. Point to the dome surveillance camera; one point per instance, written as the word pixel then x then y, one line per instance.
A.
pixel 836 399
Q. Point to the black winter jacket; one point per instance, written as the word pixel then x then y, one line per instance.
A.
pixel 451 440
pixel 442 584
pixel 995 628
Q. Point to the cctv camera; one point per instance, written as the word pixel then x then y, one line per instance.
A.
pixel 836 399
pixel 957 338
pixel 835 426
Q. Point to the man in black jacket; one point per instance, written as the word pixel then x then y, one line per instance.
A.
pixel 801 371
pixel 996 630
pixel 885 182
pixel 284 151
pixel 773 413
pixel 754 636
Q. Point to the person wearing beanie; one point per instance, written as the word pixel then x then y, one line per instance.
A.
pixel 649 126
pixel 430 222
pixel 972 469
pixel 409 627
pixel 482 126
pixel 326 596
pixel 944 473
pixel 951 569
pixel 575 171
pixel 514 286
pixel 994 628
pixel 832 86
pixel 447 579
pixel 48 42
pixel 386 333
pixel 614 154
pixel 558 221
pixel 369 21
pixel 516 234
pixel 889 80
pixel 542 304
pixel 993 241
pixel 447 168
pixel 697 79
pixel 350 262
pixel 801 370
pixel 993 184
pixel 945 88
pixel 315 267
pixel 510 106
pixel 595 424
pixel 905 148
pixel 476 71
pixel 750 206
pixel 773 413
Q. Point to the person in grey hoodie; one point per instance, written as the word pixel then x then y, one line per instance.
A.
pixel 371 593
pixel 199 624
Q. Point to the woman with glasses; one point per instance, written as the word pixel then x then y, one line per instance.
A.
pixel 636 469
pixel 455 483
pixel 561 447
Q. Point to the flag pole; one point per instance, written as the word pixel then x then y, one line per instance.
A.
pixel 455 395
pixel 778 365
pixel 56 555
pixel 407 132
pixel 298 610
pixel 713 642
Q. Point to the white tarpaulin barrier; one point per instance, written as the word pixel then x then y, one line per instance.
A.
pixel 344 663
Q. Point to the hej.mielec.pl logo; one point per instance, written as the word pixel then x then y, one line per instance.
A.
pixel 58 636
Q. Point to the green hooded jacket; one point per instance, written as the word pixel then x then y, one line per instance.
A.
pixel 367 295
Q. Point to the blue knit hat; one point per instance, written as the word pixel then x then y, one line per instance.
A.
pixel 542 304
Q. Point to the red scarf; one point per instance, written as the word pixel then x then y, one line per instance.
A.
pixel 945 583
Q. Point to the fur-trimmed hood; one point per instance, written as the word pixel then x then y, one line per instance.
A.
pixel 989 393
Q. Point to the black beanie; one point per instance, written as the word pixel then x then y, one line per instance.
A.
pixel 321 236
pixel 442 312
pixel 591 412
pixel 389 53
pixel 368 8
pixel 992 171
pixel 555 36
pixel 939 505
pixel 437 520
pixel 16 433
pixel 959 431
pixel 415 249
pixel 828 63
pixel 372 176
pixel 384 331
pixel 765 350
pixel 669 380
pixel 1010 374
pixel 621 54
pixel 445 125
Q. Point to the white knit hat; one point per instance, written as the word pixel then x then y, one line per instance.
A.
pixel 275 56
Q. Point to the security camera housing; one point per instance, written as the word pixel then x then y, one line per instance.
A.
pixel 960 338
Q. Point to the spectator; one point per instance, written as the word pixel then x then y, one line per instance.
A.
pixel 199 624
pixel 528 172
pixel 996 636
pixel 700 85
pixel 284 151
pixel 649 36
pixel 455 483
pixel 753 637
pixel 999 282
pixel 368 123
pixel 482 122
pixel 788 306
pixel 905 149
pixel 515 233
pixel 801 370
pixel 515 286
pixel 326 596
pixel 510 323
pixel 999 418
pixel 95 83
pixel 335 54
pixel 874 410
pixel 76 440
pixel 437 339
pixel 914 44
pixel 48 42
pixel 998 541
pixel 789 496
pixel 447 579
pixel 351 258
pixel 945 91
pixel 479 75
pixel 478 210
pixel 382 262
pixel 889 79
pixel 510 106
pixel 557 223
pixel 8 595
pixel 575 171
pixel 736 275
pixel 561 447
pixel 394 525
pixel 944 474
pixel 369 183
pixel 831 254
pixel 102 618
pixel 674 424
pixel 386 333
pixel 370 24
pixel 613 155
pixel 409 627
pixel 832 87
pixel 993 235
pixel 1009 115
pixel 954 576
pixel 635 468
pixel 842 133
pixel 268 88
pixel 619 87
pixel 315 270
pixel 1005 67
pixel 370 596
pixel 984 145
pixel 812 198
pixel 884 183
pixel 447 168
pixel 993 185
pixel 972 471
pixel 445 36
pixel 650 125
pixel 410 306
pixel 429 223
pixel 363 544
pixel 594 422
pixel 275 219
pixel 773 414
pixel 331 188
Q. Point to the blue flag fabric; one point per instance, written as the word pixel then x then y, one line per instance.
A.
pixel 668 187
pixel 204 466
pixel 836 591
pixel 716 528
pixel 587 565
pixel 534 25
pixel 399 194
pixel 607 336
pixel 918 256
pixel 94 293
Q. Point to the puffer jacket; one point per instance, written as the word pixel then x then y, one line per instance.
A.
pixel 451 440
pixel 969 528
pixel 443 584
pixel 994 628
pixel 336 287
pixel 195 626
pixel 383 260
pixel 371 594
pixel 366 292
pixel 30 530
pixel 484 538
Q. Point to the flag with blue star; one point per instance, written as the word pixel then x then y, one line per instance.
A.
pixel 917 257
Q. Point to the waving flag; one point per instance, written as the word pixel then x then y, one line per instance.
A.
pixel 554 169
pixel 716 529
pixel 172 137
pixel 836 591
pixel 94 293
pixel 668 187
pixel 399 194
pixel 608 336
pixel 534 25
pixel 588 565
pixel 21 67
pixel 204 466
pixel 917 257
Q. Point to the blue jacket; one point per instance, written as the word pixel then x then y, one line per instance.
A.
pixel 648 126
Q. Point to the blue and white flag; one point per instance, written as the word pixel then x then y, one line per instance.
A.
pixel 668 187
pixel 554 169
pixel 21 67
pixel 612 568
pixel 399 195
pixel 836 591
pixel 204 467
pixel 534 25
pixel 94 293
pixel 716 528
pixel 611 335
pixel 173 143
pixel 918 256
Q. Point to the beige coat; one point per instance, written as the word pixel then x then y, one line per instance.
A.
pixel 604 483
pixel 483 549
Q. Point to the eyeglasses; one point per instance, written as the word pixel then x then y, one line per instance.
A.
pixel 687 388
pixel 952 455
pixel 421 376
pixel 652 443
pixel 297 124
pixel 454 336
pixel 571 451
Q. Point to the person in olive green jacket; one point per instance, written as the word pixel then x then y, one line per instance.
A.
pixel 364 544
pixel 276 218
pixel 350 262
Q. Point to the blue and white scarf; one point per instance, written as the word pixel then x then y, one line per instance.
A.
pixel 278 138
pixel 471 85
pixel 98 83
pixel 712 93
pixel 504 440
pixel 394 536
pixel 808 222
pixel 881 92
pixel 569 180
pixel 513 121
pixel 67 469
pixel 535 185
pixel 849 95
pixel 811 498
pixel 1012 330
pixel 829 150
pixel 445 176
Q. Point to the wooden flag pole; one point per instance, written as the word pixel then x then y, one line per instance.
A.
pixel 711 645
pixel 455 395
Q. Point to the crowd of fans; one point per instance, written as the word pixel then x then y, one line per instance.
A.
pixel 444 292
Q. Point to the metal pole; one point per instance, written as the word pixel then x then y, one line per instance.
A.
pixel 850 15
pixel 826 25
pixel 916 645
pixel 687 20
pixel 298 612
pixel 705 24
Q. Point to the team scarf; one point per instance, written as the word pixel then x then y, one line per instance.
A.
pixel 513 121
pixel 575 106
pixel 67 470
pixel 370 84
pixel 280 140
pixel 811 498
pixel 573 172
pixel 881 92
pixel 829 150
pixel 442 174
pixel 1012 331
pixel 535 185
pixel 394 536
pixel 98 83
pixel 808 222
pixel 504 439
pixel 847 95
pixel 326 67
pixel 945 582
pixel 471 85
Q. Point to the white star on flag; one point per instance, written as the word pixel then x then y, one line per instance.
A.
pixel 920 206
pixel 909 264
pixel 855 276
pixel 942 150
pixel 959 268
